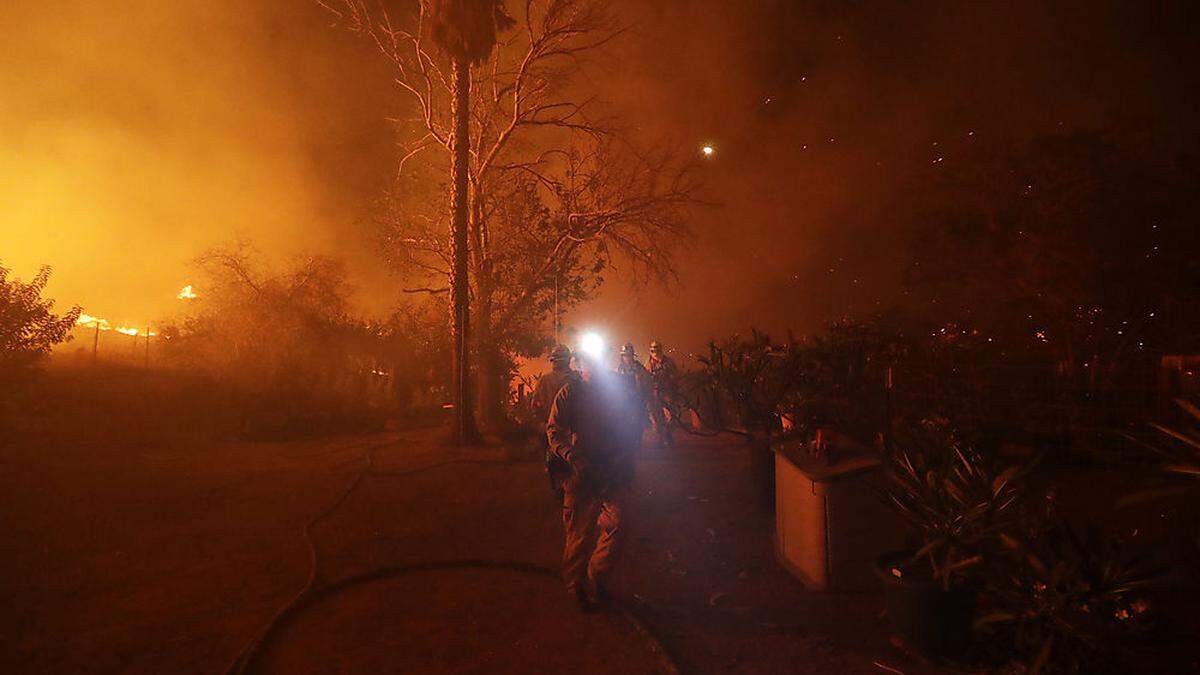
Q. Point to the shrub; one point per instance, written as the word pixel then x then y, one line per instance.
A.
pixel 28 326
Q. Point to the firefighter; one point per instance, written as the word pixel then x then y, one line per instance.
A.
pixel 543 398
pixel 637 385
pixel 588 428
pixel 629 366
pixel 549 384
pixel 663 380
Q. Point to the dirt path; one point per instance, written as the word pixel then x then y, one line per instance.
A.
pixel 170 559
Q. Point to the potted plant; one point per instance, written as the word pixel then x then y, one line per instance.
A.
pixel 957 504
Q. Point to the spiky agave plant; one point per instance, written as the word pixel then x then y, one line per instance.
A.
pixel 955 499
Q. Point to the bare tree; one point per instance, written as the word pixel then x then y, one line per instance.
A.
pixel 580 187
pixel 588 211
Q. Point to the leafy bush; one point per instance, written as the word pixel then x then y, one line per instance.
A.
pixel 1067 602
pixel 834 379
pixel 28 326
pixel 1055 600
pixel 29 329
pixel 742 383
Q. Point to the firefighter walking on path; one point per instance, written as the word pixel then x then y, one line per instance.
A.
pixel 636 381
pixel 663 376
pixel 543 399
pixel 589 428
pixel 549 384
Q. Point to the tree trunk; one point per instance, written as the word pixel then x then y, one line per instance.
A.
pixel 492 389
pixel 490 386
pixel 465 430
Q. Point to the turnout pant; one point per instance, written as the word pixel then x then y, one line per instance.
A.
pixel 662 424
pixel 595 532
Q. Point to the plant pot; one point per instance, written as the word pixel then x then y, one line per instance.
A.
pixel 762 466
pixel 932 620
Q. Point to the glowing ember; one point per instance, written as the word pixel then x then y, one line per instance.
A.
pixel 187 293
pixel 708 150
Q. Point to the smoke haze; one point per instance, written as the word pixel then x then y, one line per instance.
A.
pixel 134 135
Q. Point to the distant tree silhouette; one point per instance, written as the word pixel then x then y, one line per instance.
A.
pixel 290 356
pixel 1078 248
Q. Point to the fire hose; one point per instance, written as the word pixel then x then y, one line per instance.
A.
pixel 309 594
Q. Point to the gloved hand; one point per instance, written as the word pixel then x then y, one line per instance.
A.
pixel 584 472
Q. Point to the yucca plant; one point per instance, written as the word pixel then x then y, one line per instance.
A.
pixel 953 497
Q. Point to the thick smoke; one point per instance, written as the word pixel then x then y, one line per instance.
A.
pixel 135 134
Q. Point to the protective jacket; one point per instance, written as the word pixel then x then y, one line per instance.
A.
pixel 636 382
pixel 547 388
pixel 591 426
pixel 663 374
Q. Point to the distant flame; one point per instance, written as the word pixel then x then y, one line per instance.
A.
pixel 134 331
pixel 92 322
pixel 187 293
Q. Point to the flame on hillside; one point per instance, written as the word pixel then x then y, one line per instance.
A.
pixel 89 321
pixel 187 293
pixel 92 322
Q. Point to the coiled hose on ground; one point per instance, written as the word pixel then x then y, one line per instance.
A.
pixel 309 594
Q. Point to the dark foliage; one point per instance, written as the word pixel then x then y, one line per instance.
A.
pixel 1066 601
pixel 1072 256
pixel 467 29
pixel 292 359
pixel 29 328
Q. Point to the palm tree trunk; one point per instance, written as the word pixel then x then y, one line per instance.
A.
pixel 491 389
pixel 465 430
